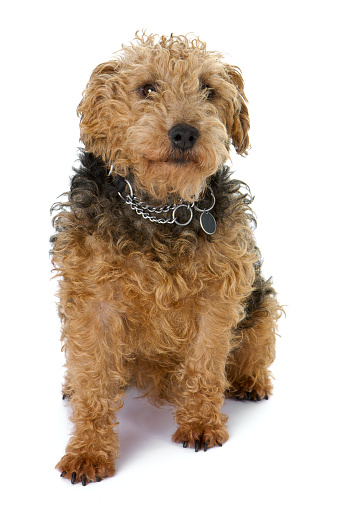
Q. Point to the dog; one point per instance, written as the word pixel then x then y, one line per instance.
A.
pixel 160 282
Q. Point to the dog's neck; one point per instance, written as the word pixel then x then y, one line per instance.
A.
pixel 177 212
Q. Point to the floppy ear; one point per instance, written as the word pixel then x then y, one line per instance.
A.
pixel 237 116
pixel 95 107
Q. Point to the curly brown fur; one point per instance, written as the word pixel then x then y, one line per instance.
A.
pixel 183 315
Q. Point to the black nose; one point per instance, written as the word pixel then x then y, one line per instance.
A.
pixel 183 136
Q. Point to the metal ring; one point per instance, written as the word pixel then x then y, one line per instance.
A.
pixel 213 202
pixel 183 223
pixel 131 194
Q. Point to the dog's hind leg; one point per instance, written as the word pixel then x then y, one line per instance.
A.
pixel 247 368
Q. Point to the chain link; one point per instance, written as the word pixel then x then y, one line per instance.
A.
pixel 146 211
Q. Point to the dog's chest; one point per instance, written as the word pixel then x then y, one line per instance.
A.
pixel 168 285
pixel 160 305
pixel 157 284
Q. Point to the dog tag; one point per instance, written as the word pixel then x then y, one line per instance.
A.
pixel 208 223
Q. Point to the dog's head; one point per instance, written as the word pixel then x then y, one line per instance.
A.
pixel 166 110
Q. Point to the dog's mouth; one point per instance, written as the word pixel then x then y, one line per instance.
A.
pixel 180 158
pixel 180 161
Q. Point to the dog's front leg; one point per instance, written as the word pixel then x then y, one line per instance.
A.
pixel 96 370
pixel 202 383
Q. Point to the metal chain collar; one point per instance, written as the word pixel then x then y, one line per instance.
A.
pixel 207 221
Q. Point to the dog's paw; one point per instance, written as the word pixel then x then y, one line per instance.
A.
pixel 254 395
pixel 201 437
pixel 249 389
pixel 67 392
pixel 86 468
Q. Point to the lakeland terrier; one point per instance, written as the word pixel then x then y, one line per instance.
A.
pixel 160 277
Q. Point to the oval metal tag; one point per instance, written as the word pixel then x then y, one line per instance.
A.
pixel 208 223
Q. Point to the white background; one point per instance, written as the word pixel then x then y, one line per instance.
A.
pixel 281 452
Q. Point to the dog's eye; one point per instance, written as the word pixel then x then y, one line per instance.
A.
pixel 208 91
pixel 147 89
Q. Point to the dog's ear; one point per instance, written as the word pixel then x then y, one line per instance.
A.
pixel 94 110
pixel 237 115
